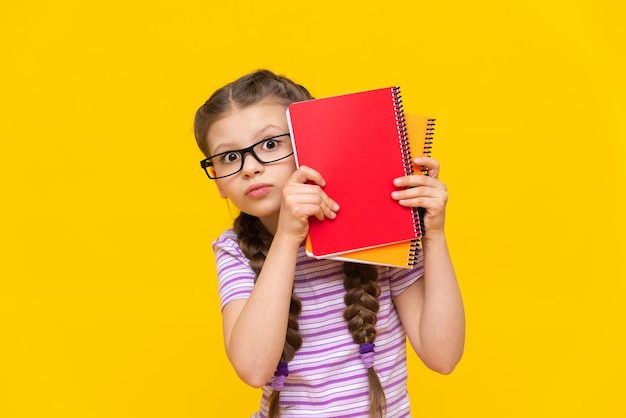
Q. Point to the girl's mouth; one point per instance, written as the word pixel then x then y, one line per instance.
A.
pixel 258 190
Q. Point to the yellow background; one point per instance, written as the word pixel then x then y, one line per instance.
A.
pixel 108 302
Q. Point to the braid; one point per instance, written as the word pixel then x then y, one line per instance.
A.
pixel 255 241
pixel 361 311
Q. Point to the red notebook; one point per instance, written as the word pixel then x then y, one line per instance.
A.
pixel 420 131
pixel 358 142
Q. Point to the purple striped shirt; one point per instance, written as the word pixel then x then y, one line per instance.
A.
pixel 326 376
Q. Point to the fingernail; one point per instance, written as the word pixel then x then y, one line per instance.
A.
pixel 397 182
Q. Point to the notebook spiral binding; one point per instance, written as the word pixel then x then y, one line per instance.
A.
pixel 418 224
pixel 428 145
pixel 413 257
pixel 428 141
pixel 402 132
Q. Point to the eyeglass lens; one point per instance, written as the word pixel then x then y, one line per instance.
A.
pixel 266 151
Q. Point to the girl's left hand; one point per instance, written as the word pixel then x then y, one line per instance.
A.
pixel 426 192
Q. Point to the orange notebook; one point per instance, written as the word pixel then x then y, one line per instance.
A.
pixel 420 132
pixel 359 143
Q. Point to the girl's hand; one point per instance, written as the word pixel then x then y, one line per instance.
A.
pixel 303 197
pixel 426 192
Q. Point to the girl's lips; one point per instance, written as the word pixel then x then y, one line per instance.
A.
pixel 258 190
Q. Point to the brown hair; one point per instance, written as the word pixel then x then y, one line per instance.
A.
pixel 362 290
pixel 245 91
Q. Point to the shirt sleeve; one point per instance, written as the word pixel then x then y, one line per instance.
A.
pixel 400 278
pixel 234 275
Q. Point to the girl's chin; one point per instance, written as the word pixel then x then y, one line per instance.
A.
pixel 264 214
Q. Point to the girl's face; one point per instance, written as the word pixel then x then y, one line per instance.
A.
pixel 257 188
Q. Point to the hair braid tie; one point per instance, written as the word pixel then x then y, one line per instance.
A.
pixel 281 373
pixel 367 354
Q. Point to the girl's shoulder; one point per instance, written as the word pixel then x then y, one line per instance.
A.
pixel 227 243
pixel 228 235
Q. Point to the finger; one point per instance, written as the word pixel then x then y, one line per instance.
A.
pixel 314 191
pixel 330 203
pixel 316 211
pixel 329 207
pixel 426 202
pixel 416 180
pixel 319 211
pixel 306 174
pixel 420 192
pixel 309 200
pixel 429 164
pixel 325 207
pixel 325 212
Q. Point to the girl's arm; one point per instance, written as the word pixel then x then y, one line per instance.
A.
pixel 254 328
pixel 431 310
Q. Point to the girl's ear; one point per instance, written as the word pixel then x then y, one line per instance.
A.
pixel 221 190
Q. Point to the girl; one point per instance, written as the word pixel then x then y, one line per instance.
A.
pixel 323 338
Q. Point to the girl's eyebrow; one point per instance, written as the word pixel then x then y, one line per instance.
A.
pixel 224 147
pixel 265 129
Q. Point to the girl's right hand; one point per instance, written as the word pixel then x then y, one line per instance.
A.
pixel 303 197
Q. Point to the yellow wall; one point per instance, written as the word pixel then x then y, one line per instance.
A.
pixel 108 304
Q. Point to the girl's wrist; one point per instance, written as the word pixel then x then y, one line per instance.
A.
pixel 287 240
pixel 434 237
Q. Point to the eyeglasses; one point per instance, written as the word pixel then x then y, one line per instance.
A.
pixel 230 163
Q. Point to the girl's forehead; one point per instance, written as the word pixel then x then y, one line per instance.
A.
pixel 242 127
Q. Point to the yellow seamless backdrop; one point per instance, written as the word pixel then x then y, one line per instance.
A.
pixel 108 299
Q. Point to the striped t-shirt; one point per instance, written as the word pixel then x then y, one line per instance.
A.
pixel 327 377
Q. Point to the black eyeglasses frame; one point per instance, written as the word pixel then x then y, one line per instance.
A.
pixel 207 163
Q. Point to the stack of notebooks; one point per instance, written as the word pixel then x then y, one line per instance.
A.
pixel 359 143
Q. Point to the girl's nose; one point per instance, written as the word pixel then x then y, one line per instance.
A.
pixel 251 166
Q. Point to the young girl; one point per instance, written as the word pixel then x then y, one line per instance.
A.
pixel 323 338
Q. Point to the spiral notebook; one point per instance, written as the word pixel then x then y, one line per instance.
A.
pixel 359 143
pixel 420 131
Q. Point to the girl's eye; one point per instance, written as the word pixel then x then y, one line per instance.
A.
pixel 270 144
pixel 230 157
